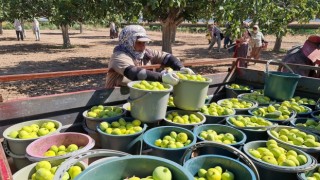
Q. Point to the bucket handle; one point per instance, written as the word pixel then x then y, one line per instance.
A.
pixel 278 61
pixel 8 151
pixel 89 154
pixel 130 100
pixel 231 149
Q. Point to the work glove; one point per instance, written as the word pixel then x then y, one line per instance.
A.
pixel 187 70
pixel 170 78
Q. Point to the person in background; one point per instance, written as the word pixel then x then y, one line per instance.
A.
pixel 131 53
pixel 18 28
pixel 241 49
pixel 309 54
pixel 208 35
pixel 216 37
pixel 256 41
pixel 113 30
pixel 36 29
pixel 227 39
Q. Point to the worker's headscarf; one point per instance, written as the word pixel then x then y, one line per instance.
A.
pixel 127 38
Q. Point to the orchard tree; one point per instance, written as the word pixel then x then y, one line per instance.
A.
pixel 171 13
pixel 273 16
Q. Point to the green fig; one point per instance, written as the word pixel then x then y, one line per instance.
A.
pixel 161 173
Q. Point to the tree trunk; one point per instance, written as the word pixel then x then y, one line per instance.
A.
pixel 277 45
pixel 1 30
pixel 173 35
pixel 65 35
pixel 23 31
pixel 81 28
pixel 168 26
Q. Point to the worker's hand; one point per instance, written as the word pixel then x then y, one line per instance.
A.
pixel 187 70
pixel 170 78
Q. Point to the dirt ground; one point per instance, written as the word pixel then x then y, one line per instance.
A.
pixel 92 49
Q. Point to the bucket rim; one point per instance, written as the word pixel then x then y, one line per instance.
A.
pixel 286 74
pixel 254 104
pixel 33 157
pixel 191 112
pixel 130 85
pixel 227 86
pixel 314 114
pixel 243 140
pixel 303 119
pixel 309 149
pixel 6 132
pixel 305 113
pixel 233 112
pixel 303 175
pixel 84 114
pixel 176 165
pixel 125 135
pixel 259 104
pixel 263 128
pixel 208 80
pixel 190 162
pixel 173 129
pixel 261 163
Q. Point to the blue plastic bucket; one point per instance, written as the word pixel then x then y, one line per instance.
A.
pixel 280 85
pixel 129 166
pixel 240 170
pixel 239 136
pixel 129 143
pixel 151 135
pixel 268 171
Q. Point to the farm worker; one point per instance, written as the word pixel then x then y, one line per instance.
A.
pixel 131 53
pixel 18 28
pixel 309 54
pixel 36 29
pixel 241 49
pixel 256 41
pixel 216 37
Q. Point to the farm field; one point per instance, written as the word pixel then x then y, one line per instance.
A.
pixel 92 49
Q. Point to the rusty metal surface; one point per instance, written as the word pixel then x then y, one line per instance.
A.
pixel 5 172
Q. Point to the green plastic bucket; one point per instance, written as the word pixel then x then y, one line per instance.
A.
pixel 129 143
pixel 18 146
pixel 151 135
pixel 239 136
pixel 304 175
pixel 280 85
pixel 240 170
pixel 26 172
pixel 148 106
pixel 183 112
pixel 93 122
pixel 128 166
pixel 190 95
pixel 252 133
pixel 268 171
pixel 238 156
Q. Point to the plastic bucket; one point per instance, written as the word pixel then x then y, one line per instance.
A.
pixel 183 112
pixel 129 143
pixel 316 115
pixel 295 121
pixel 19 161
pixel 18 146
pixel 234 93
pixel 268 171
pixel 305 114
pixel 239 136
pixel 252 133
pixel 238 156
pixel 151 135
pixel 93 122
pixel 216 119
pixel 278 121
pixel 128 166
pixel 241 110
pixel 314 151
pixel 259 99
pixel 304 175
pixel 93 134
pixel 240 170
pixel 36 149
pixel 26 172
pixel 148 106
pixel 280 85
pixel 190 95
